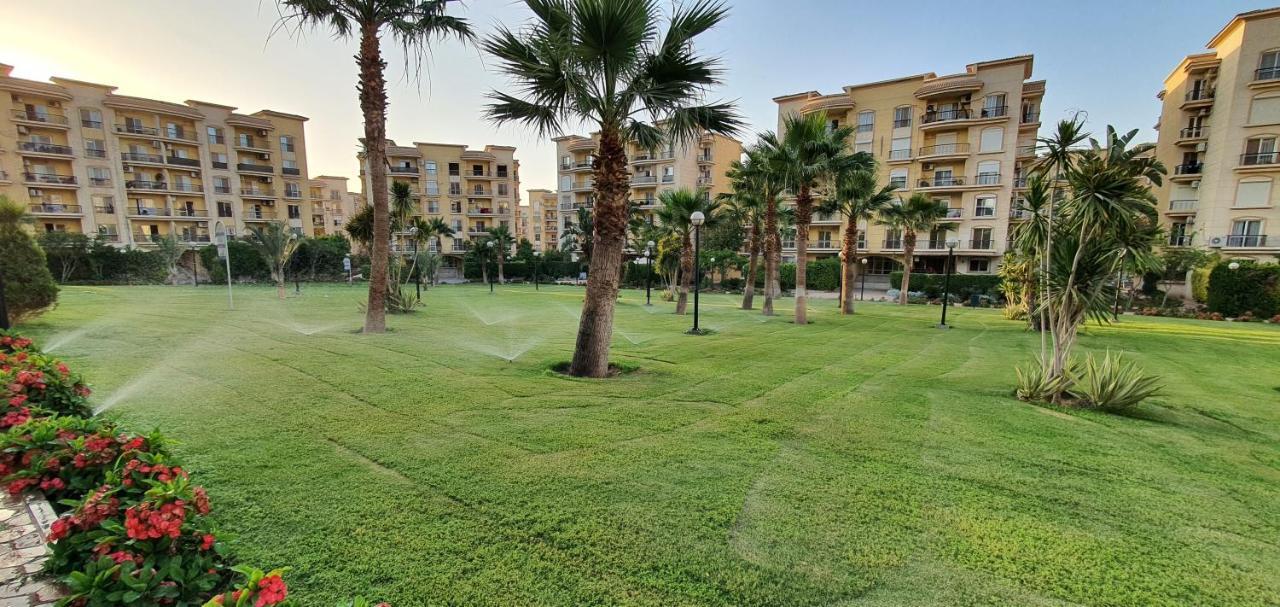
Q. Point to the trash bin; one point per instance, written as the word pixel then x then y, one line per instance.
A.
pixel 975 300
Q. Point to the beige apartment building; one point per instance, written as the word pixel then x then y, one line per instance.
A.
pixel 472 190
pixel 83 159
pixel 1217 135
pixel 332 205
pixel 698 165
pixel 538 220
pixel 964 139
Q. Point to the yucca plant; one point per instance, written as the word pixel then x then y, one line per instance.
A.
pixel 1036 385
pixel 1110 382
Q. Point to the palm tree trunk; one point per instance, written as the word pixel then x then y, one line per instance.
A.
pixel 847 264
pixel 749 289
pixel 502 280
pixel 908 253
pixel 595 328
pixel 804 213
pixel 686 275
pixel 771 242
pixel 435 277
pixel 373 105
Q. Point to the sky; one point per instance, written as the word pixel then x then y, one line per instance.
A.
pixel 1106 58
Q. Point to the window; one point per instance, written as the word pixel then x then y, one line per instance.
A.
pixel 1253 194
pixel 454 169
pixel 1246 233
pixel 458 244
pixel 214 135
pixel 866 121
pixel 95 148
pixel 863 146
pixel 981 239
pixel 1269 66
pixel 979 266
pixel 893 239
pixel 432 188
pixel 224 208
pixel 1259 150
pixel 99 176
pixel 566 162
pixel 985 207
pixel 90 118
pixel 455 188
pixel 901 116
pixel 455 206
pixel 882 266
pixel 219 160
pixel 286 143
pixel 289 164
pixel 988 172
pixel 245 140
pixel 502 189
pixel 898 178
pixel 1265 110
pixel 104 204
pixel 291 190
pixel 174 131
pixel 992 140
pixel 221 185
pixel 433 206
pixel 133 125
pixel 295 212
pixel 502 170
pixel 993 106
pixel 900 148
pixel 824 239
pixel 431 168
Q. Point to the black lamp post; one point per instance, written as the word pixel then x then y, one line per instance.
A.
pixel 536 256
pixel 417 283
pixel 648 277
pixel 840 283
pixel 946 281
pixel 491 278
pixel 297 279
pixel 697 218
pixel 862 291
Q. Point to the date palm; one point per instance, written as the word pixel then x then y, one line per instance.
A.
pixel 747 204
pixel 856 198
pixel 611 64
pixel 502 241
pixel 413 25
pixel 577 237
pixel 918 214
pixel 761 172
pixel 676 212
pixel 441 230
pixel 276 243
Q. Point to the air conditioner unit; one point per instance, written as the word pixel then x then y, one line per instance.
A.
pixel 1216 241
pixel 1195 184
pixel 263 132
pixel 927 166
pixel 1200 147
pixel 264 156
pixel 194 173
pixel 33 192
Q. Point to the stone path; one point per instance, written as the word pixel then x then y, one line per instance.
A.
pixel 23 523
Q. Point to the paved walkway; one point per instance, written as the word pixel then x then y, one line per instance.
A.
pixel 22 552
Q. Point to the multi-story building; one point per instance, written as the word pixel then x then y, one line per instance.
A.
pixel 539 220
pixel 963 139
pixel 472 190
pixel 130 170
pixel 697 165
pixel 1218 128
pixel 332 205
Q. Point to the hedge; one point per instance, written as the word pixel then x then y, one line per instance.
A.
pixel 246 262
pixel 963 286
pixel 1252 287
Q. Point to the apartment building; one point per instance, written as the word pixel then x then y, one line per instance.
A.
pixel 472 190
pixel 130 170
pixel 964 139
pixel 1217 135
pixel 332 205
pixel 697 165
pixel 539 220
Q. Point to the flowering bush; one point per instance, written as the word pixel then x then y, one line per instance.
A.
pixel 65 456
pixel 257 589
pixel 35 385
pixel 12 342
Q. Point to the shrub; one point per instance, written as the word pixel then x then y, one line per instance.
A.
pixel 1035 385
pixel 963 286
pixel 257 588
pixel 28 286
pixel 246 262
pixel 36 385
pixel 65 456
pixel 1200 284
pixel 1251 287
pixel 1110 383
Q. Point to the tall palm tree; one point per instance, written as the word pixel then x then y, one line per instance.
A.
pixel 678 207
pixel 276 243
pixel 441 230
pixel 762 171
pixel 400 215
pixel 747 204
pixel 1057 158
pixel 578 237
pixel 611 64
pixel 814 153
pixel 856 198
pixel 413 25
pixel 502 242
pixel 913 216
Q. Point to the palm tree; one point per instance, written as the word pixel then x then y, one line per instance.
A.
pixel 413 24
pixel 578 237
pixel 678 206
pixel 747 204
pixel 502 241
pixel 913 216
pixel 856 198
pixel 813 154
pixel 761 171
pixel 170 250
pixel 276 243
pixel 610 64
pixel 400 215
pixel 360 227
pixel 439 228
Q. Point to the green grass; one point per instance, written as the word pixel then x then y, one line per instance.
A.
pixel 871 460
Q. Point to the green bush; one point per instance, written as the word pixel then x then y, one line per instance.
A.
pixel 246 262
pixel 1200 284
pixel 1110 383
pixel 29 288
pixel 963 286
pixel 1252 287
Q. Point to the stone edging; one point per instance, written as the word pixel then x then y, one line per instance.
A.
pixel 24 529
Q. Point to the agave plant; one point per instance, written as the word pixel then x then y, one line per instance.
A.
pixel 1110 383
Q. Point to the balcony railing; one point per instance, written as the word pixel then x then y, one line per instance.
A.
pixel 218 164
pixel 261 192
pixel 185 162
pixel 55 208
pixel 187 187
pixel 1183 205
pixel 1026 150
pixel 1193 132
pixel 1189 168
pixel 1019 214
pixel 193 238
pixel 1030 117
pixel 251 144
pixel 997 111
pixel 192 212
pixel 221 189
pixel 941 182
pixel 140 157
pixel 955 213
pixel 668 178
pixel 291 171
pixel 1259 158
pixel 892 243
pixel 1177 240
pixel 1249 241
pixel 136 129
pixel 259 215
pixel 292 194
pixel 49 178
pixel 90 124
pixel 644 179
pixel 987 179
pixel 901 122
pixel 94 153
pixel 100 181
pixel 105 209
pixel 899 154
pixel 1199 94
pixel 45 148
pixel 945 116
pixel 142 184
pixel 944 148
pixel 149 211
pixel 253 168
pixel 1267 73
pixel 179 134
pixel 45 117
pixel 402 170
pixel 982 244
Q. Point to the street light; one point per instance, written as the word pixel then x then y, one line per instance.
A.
pixel 417 284
pixel 697 219
pixel 490 245
pixel 648 278
pixel 1235 265
pixel 712 271
pixel 946 281
pixel 862 293
pixel 297 280
pixel 536 256
pixel 840 283
pixel 220 236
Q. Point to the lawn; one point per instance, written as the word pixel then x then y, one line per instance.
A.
pixel 872 460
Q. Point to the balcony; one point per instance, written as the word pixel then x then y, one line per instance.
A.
pixel 485 211
pixel 217 164
pixel 292 171
pixel 179 135
pixel 703 181
pixel 101 182
pixel 982 244
pixel 137 129
pixel 944 149
pixel 245 167
pixel 998 111
pixel 1246 241
pixel 1188 169
pixel 1019 214
pixel 987 179
pixel 1026 151
pixel 104 209
pixel 53 179
pixel 140 210
pixel 193 238
pixel 1030 118
pixel 484 193
pixel 142 184
pixel 899 155
pixel 1193 132
pixel 187 187
pixel 49 118
pixel 94 153
pixel 941 182
pixel 1178 240
pixel 668 178
pixel 258 192
pixel 1259 159
pixel 293 194
pixel 251 144
pixel 183 162
pixel 51 149
pixel 581 166
pixel 1198 97
pixel 140 157
pixel 892 244
pixel 955 213
pixel 259 215
pixel 55 209
pixel 1183 206
pixel 945 116
pixel 403 170
pixel 819 218
pixel 221 189
pixel 705 158
pixel 189 212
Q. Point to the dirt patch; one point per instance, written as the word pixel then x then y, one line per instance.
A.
pixel 615 370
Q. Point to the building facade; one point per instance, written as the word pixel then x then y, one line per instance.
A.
pixel 965 140
pixel 1218 128
pixel 332 205
pixel 539 220
pixel 129 170
pixel 472 190
pixel 697 165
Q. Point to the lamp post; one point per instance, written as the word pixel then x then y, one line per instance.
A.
pixel 297 281
pixel 946 281
pixel 224 251
pixel 490 245
pixel 536 256
pixel 697 218
pixel 346 265
pixel 840 283
pixel 1115 306
pixel 862 271
pixel 648 278
pixel 1235 265
pixel 712 272
pixel 417 284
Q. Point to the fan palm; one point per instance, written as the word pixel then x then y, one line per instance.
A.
pixel 276 243
pixel 761 171
pixel 856 198
pixel 611 64
pixel 747 204
pixel 913 216
pixel 441 230
pixel 414 25
pixel 502 241
pixel 676 212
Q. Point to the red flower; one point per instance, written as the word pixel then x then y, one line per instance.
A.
pixel 207 541
pixel 146 521
pixel 271 591
pixel 21 485
pixel 52 484
pixel 18 400
pixel 202 501
pixel 59 529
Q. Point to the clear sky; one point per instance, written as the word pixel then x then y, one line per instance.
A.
pixel 1106 57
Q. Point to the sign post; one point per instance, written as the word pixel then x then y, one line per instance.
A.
pixel 225 253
